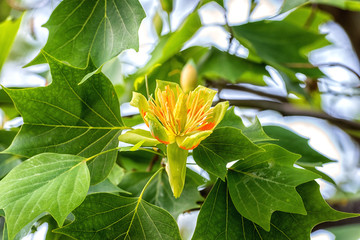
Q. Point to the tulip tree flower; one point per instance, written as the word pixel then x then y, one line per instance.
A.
pixel 181 121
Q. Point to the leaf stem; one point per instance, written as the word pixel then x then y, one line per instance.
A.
pixel 148 183
pixel 100 153
pixel 117 148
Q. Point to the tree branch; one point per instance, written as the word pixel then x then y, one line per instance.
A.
pixel 288 109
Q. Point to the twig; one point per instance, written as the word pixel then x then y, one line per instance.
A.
pixel 221 85
pixel 332 64
pixel 288 109
pixel 152 163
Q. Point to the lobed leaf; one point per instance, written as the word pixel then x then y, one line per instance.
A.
pixel 92 29
pixel 265 182
pixel 48 182
pixel 159 191
pixel 113 217
pixel 218 218
pixel 65 117
pixel 254 132
pixel 224 145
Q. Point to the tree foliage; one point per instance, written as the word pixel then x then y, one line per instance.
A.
pixel 64 165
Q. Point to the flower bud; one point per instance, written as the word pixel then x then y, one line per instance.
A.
pixel 167 5
pixel 158 23
pixel 188 77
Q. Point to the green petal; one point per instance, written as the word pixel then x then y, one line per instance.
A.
pixel 219 112
pixel 138 135
pixel 193 140
pixel 158 131
pixel 176 168
pixel 139 101
pixel 180 111
pixel 160 84
pixel 206 93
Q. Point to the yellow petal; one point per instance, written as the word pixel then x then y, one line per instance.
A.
pixel 139 101
pixel 193 140
pixel 180 112
pixel 176 168
pixel 219 112
pixel 205 93
pixel 158 131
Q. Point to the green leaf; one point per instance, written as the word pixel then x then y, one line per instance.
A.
pixel 224 145
pixel 254 132
pixel 48 182
pixel 218 218
pixel 4 10
pixel 116 175
pixel 65 117
pixel 352 5
pixel 348 232
pixel 221 65
pixel 96 29
pixel 159 191
pixel 290 4
pixel 297 144
pixel 280 43
pixel 105 186
pixel 265 182
pixel 120 218
pixel 8 31
pixel 302 16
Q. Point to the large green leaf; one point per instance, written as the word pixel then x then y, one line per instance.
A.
pixel 297 144
pixel 218 218
pixel 112 217
pixel 159 191
pixel 224 145
pixel 254 132
pixel 48 182
pixel 352 5
pixel 265 182
pixel 280 43
pixel 65 117
pixel 96 29
pixel 222 65
pixel 8 31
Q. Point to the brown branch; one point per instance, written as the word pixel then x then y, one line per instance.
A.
pixel 152 163
pixel 288 109
pixel 222 84
pixel 332 64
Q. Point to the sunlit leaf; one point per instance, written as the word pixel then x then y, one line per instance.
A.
pixel 65 117
pixel 48 182
pixel 96 29
pixel 352 5
pixel 8 31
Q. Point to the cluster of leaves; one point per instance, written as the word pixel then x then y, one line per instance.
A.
pixel 65 160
